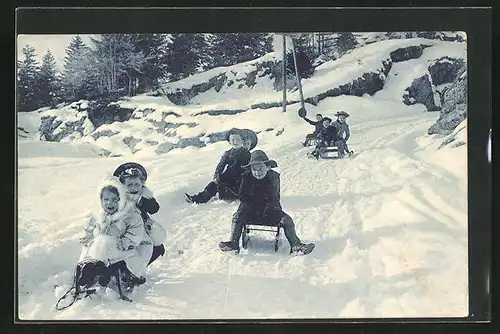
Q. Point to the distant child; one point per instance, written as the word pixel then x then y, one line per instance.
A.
pixel 228 172
pixel 134 176
pixel 326 136
pixel 343 133
pixel 318 126
pixel 260 202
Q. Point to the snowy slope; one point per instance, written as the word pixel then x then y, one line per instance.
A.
pixel 390 228
pixel 390 225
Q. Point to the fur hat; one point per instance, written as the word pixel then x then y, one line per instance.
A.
pixel 260 156
pixel 114 182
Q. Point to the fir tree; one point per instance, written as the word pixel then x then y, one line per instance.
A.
pixel 48 82
pixel 185 54
pixel 27 76
pixel 345 41
pixel 78 79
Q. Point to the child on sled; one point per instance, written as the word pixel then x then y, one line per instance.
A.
pixel 259 196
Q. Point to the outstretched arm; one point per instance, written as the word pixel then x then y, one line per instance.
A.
pixel 309 121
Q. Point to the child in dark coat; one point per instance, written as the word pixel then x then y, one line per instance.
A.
pixel 134 176
pixel 317 128
pixel 326 136
pixel 227 176
pixel 260 202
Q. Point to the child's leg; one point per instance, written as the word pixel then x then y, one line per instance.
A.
pixel 289 228
pixel 207 193
pixel 157 252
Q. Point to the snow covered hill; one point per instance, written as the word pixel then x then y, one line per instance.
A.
pixel 207 102
pixel 390 224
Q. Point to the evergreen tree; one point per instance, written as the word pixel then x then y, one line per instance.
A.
pixel 345 41
pixel 305 54
pixel 118 63
pixel 186 54
pixel 155 67
pixel 27 75
pixel 78 79
pixel 48 82
pixel 233 48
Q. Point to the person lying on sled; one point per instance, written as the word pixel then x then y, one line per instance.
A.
pixel 343 133
pixel 114 244
pixel 227 176
pixel 326 136
pixel 134 177
pixel 259 196
pixel 317 127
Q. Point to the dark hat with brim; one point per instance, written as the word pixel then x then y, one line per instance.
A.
pixel 131 169
pixel 302 112
pixel 234 131
pixel 342 113
pixel 249 134
pixel 326 119
pixel 260 156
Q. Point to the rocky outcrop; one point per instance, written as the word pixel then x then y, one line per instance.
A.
pixel 445 70
pixel 407 53
pixel 106 112
pixel 53 128
pixel 131 141
pixel 368 83
pixel 454 106
pixel 104 133
pixel 421 91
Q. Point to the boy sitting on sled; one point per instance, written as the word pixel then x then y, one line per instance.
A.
pixel 343 133
pixel 317 128
pixel 134 176
pixel 228 172
pixel 259 196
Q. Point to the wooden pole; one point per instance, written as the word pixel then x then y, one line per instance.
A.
pixel 297 75
pixel 284 74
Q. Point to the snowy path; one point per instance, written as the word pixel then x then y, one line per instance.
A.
pixel 389 226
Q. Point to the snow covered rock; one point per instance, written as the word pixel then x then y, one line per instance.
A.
pixel 457 138
pixel 454 109
pixel 164 147
pixel 421 91
pixel 445 70
pixel 407 53
pixel 58 124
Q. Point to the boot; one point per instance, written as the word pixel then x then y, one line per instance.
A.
pixel 228 246
pixel 301 249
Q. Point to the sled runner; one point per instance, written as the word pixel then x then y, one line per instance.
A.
pixel 245 238
pixel 331 152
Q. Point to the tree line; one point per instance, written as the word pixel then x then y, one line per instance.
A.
pixel 118 65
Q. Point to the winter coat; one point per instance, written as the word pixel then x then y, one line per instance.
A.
pixel 229 170
pixel 317 125
pixel 342 128
pixel 327 134
pixel 109 237
pixel 261 198
pixel 147 205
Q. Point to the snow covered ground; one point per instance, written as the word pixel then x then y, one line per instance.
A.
pixel 390 224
